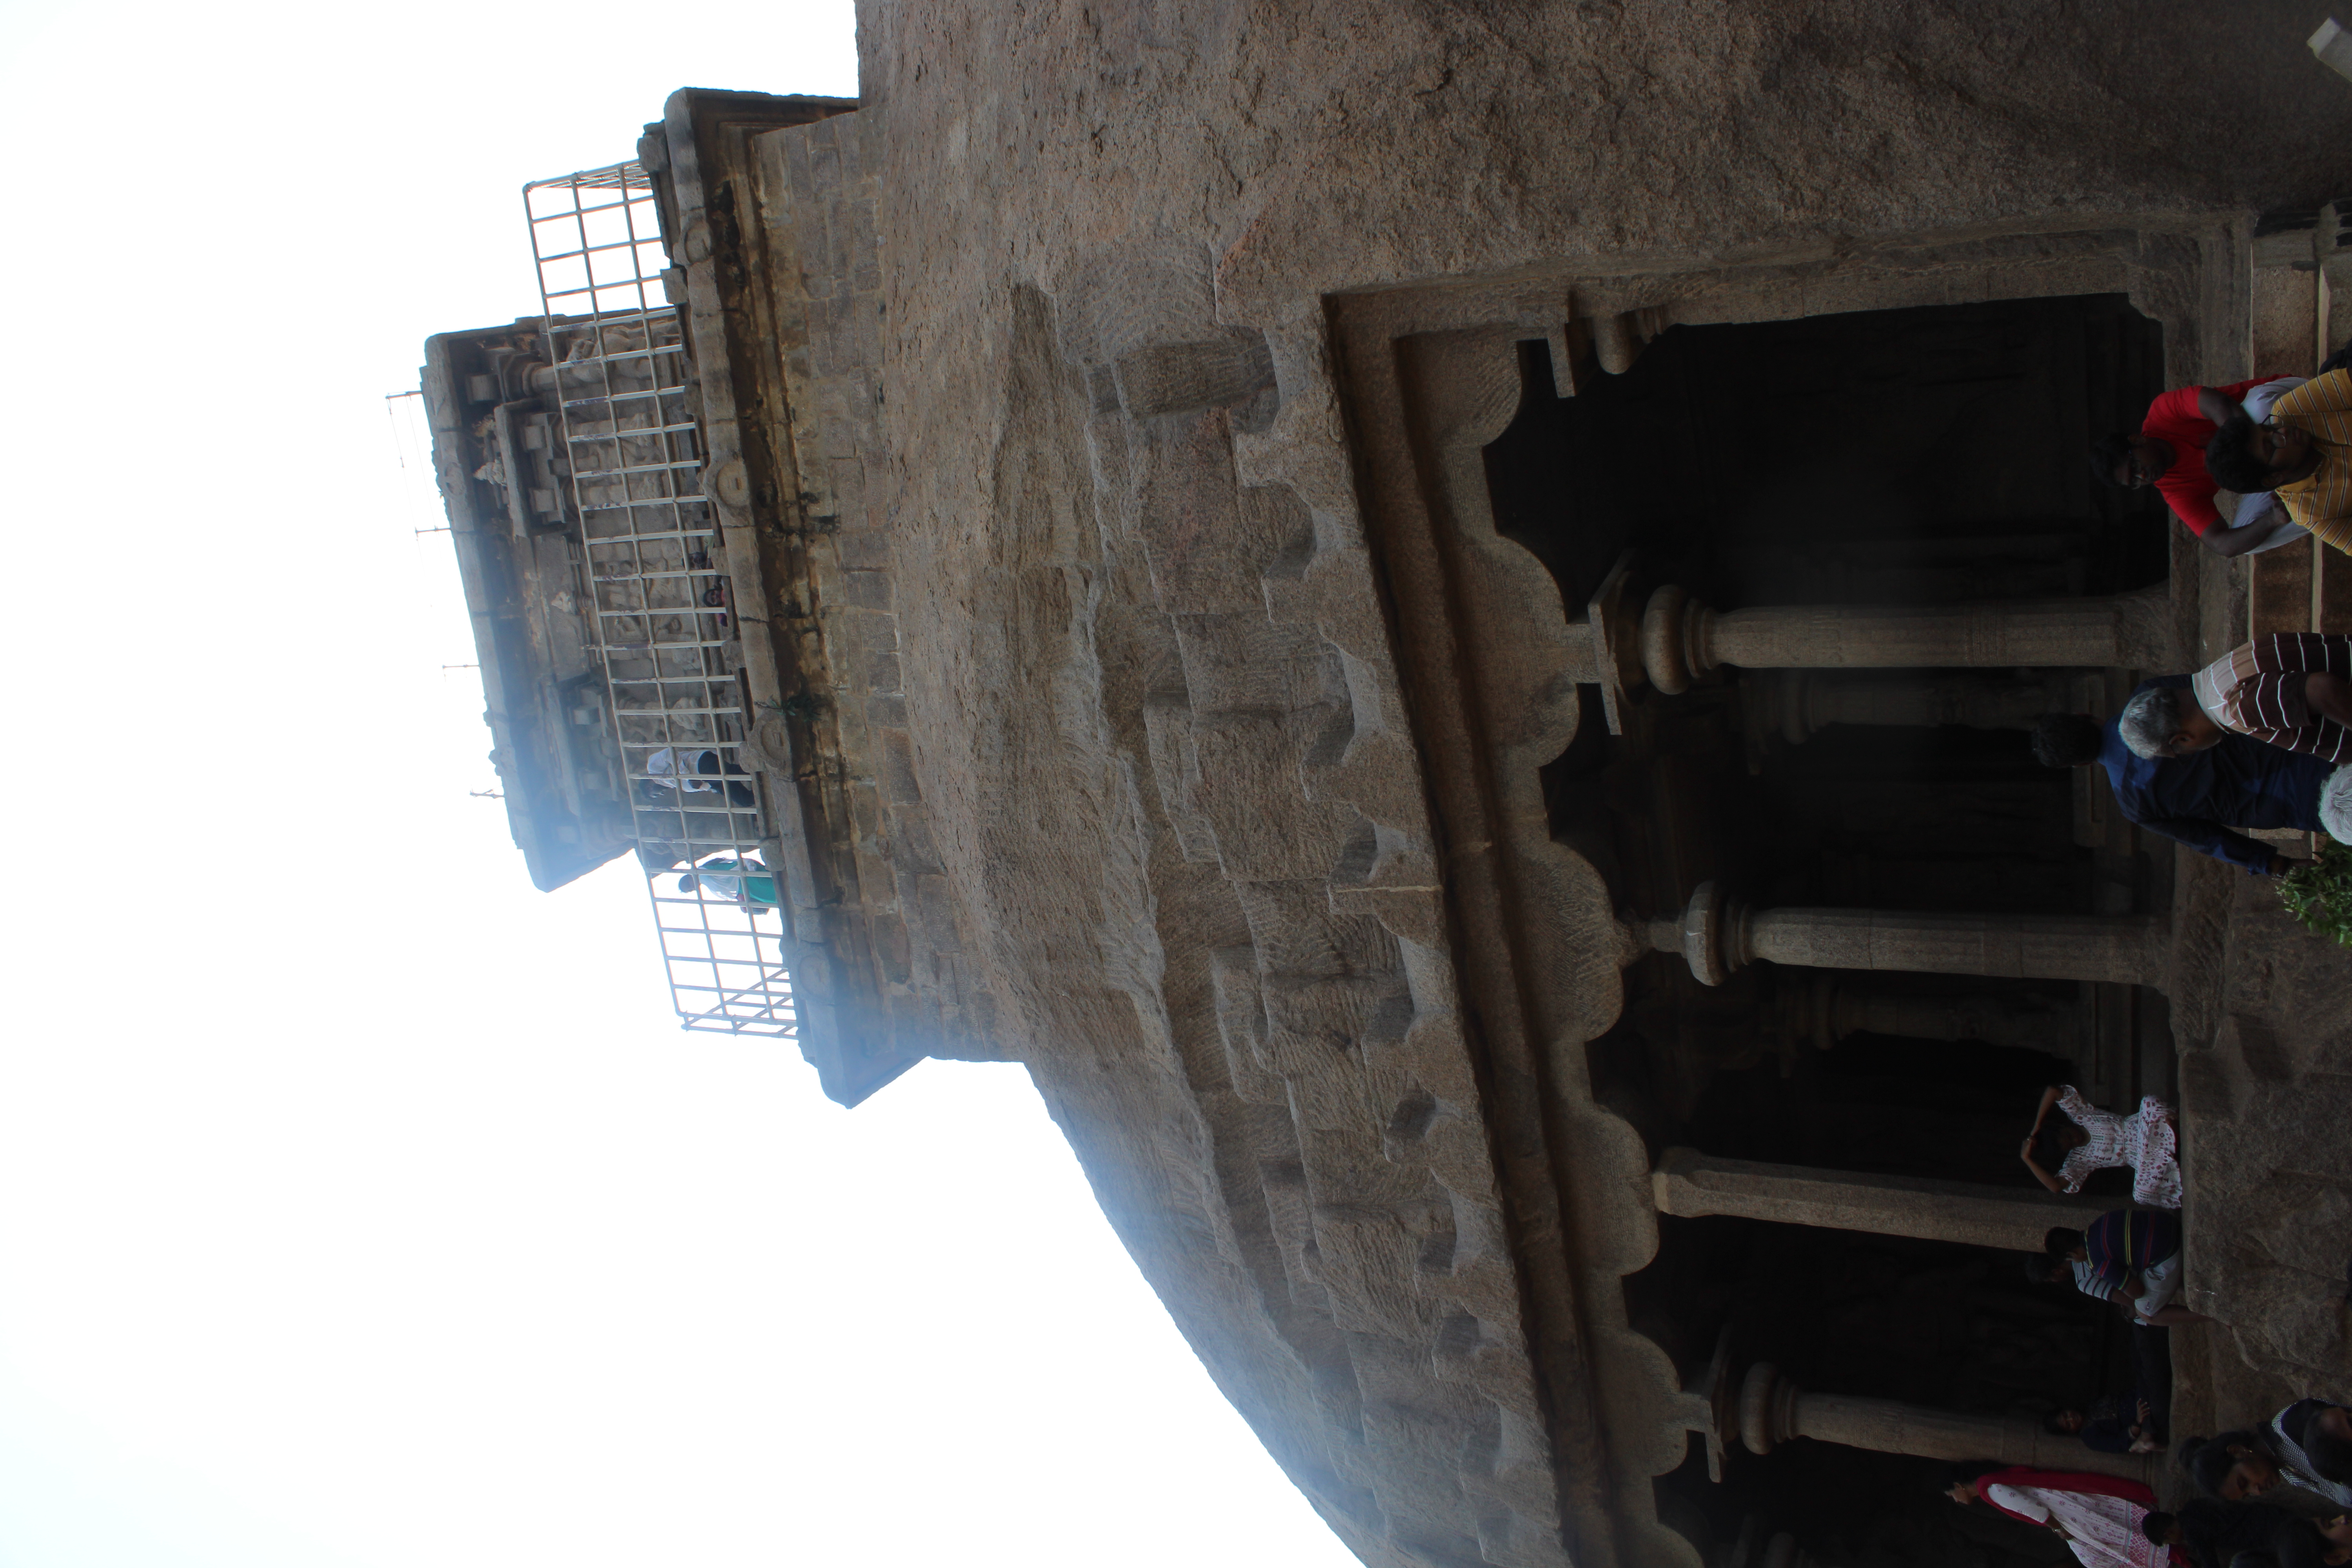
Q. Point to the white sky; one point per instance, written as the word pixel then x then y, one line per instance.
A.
pixel 360 1204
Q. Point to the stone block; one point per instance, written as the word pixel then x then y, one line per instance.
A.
pixel 861 549
pixel 797 169
pixel 867 631
pixel 1175 772
pixel 812 248
pixel 2279 591
pixel 1240 1027
pixel 1296 932
pixel 861 329
pixel 877 880
pixel 849 485
pixel 892 951
pixel 1352 1180
pixel 1243 663
pixel 1450 1144
pixel 866 266
pixel 825 163
pixel 2284 311
pixel 1249 764
pixel 1423 1544
pixel 867 590
pixel 1366 1266
pixel 910 835
pixel 2331 590
pixel 1209 543
pixel 878 671
pixel 930 907
pixel 897 768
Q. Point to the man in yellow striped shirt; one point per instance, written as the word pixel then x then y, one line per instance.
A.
pixel 2303 456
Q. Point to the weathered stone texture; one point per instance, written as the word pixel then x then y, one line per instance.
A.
pixel 1096 578
pixel 802 200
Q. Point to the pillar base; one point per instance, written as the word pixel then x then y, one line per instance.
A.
pixel 1674 640
pixel 1767 1416
pixel 1707 935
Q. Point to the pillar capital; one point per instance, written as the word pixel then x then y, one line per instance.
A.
pixel 1767 1408
pixel 1708 935
pixel 1675 640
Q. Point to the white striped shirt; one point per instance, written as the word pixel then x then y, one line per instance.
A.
pixel 2257 688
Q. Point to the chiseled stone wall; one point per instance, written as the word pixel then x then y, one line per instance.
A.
pixel 1266 1081
pixel 1104 581
pixel 1156 696
pixel 809 191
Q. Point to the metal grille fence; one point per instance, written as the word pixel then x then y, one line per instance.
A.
pixel 646 568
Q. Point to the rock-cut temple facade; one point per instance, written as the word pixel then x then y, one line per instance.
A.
pixel 1430 612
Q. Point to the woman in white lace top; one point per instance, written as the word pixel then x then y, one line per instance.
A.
pixel 2089 1139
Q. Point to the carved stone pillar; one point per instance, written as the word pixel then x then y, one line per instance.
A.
pixel 1718 936
pixel 1796 705
pixel 1679 641
pixel 1691 1185
pixel 1772 1410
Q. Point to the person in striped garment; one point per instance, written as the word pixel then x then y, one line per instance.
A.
pixel 2130 1257
pixel 2292 689
pixel 2302 455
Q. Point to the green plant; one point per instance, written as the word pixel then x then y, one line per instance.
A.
pixel 2320 894
pixel 801 705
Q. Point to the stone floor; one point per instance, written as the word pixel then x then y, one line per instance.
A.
pixel 2263 1025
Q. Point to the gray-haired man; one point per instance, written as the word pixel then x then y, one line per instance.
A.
pixel 2290 691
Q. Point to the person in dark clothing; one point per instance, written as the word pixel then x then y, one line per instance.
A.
pixel 2312 1440
pixel 2151 1359
pixel 2244 1466
pixel 2196 799
pixel 2216 1534
pixel 2112 1424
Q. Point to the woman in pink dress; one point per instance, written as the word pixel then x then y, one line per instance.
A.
pixel 2098 1517
pixel 2062 1154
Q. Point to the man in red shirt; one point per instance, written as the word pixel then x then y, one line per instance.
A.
pixel 2169 453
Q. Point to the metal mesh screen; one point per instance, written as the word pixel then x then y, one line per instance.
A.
pixel 647 566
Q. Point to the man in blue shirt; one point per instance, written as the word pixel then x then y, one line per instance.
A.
pixel 2198 798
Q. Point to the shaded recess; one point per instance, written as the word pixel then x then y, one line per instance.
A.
pixel 1902 457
